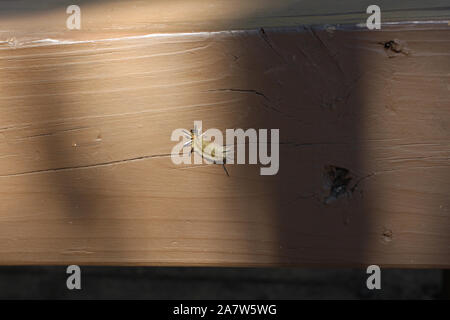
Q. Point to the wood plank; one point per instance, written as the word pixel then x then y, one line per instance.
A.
pixel 85 175
pixel 28 20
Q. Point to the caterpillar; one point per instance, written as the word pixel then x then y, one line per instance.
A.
pixel 208 150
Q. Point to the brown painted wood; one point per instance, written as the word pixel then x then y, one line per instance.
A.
pixel 27 20
pixel 85 175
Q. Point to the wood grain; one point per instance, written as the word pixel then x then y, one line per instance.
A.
pixel 86 177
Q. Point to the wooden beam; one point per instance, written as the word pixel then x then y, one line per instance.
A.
pixel 86 176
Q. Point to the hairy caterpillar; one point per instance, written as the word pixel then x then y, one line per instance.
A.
pixel 208 150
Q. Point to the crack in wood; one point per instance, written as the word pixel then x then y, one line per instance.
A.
pixel 97 165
